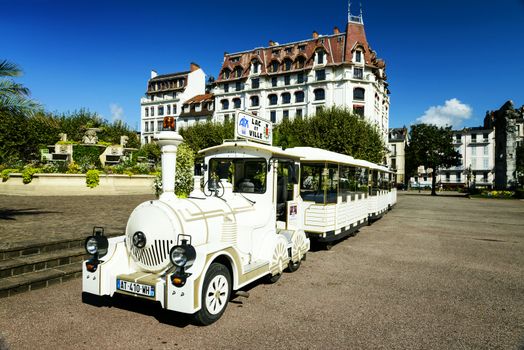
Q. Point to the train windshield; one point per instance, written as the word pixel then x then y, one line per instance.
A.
pixel 246 175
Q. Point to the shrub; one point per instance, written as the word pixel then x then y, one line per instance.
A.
pixel 5 173
pixel 73 168
pixel 92 178
pixel 184 170
pixel 28 172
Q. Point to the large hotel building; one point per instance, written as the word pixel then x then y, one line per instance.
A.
pixel 280 81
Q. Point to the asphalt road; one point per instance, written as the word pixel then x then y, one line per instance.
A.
pixel 434 273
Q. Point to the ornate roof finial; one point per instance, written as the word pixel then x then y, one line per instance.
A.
pixel 354 19
pixel 349 11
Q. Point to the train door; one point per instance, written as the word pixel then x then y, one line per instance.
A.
pixel 286 181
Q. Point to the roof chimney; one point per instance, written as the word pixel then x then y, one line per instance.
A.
pixel 154 74
pixel 272 43
pixel 315 34
pixel 193 67
pixel 336 30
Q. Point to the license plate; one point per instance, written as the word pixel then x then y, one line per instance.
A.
pixel 137 288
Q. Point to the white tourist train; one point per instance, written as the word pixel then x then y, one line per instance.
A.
pixel 252 219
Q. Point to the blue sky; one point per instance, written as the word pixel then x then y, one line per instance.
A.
pixel 446 60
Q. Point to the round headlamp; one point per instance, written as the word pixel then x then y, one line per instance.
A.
pixel 182 255
pixel 96 245
pixel 91 245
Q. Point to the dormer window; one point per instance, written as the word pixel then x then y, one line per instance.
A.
pixel 289 49
pixel 274 66
pixel 225 74
pixel 302 48
pixel 276 52
pixel 238 72
pixel 255 66
pixel 358 56
pixel 235 59
pixel 287 64
pixel 320 56
pixel 300 62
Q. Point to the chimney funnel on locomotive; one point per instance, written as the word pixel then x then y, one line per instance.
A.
pixel 169 140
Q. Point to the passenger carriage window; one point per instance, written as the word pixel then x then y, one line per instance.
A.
pixel 348 182
pixel 361 177
pixel 331 183
pixel 246 175
pixel 311 183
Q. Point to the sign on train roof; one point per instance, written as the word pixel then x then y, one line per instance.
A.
pixel 251 127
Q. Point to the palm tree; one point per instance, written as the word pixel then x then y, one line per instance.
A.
pixel 14 97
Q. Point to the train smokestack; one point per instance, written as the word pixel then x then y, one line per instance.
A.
pixel 169 140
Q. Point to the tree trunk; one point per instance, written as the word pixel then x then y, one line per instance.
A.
pixel 433 183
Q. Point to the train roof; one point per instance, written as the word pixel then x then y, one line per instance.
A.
pixel 312 154
pixel 275 151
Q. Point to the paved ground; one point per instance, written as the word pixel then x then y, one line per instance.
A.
pixel 25 220
pixel 434 273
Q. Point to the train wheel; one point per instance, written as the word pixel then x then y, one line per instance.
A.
pixel 293 266
pixel 215 294
pixel 279 261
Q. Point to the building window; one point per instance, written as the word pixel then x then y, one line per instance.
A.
pixel 174 109
pixel 286 98
pixel 458 177
pixel 225 74
pixel 236 103
pixel 358 110
pixel 147 112
pixel 238 86
pixel 287 64
pixel 473 137
pixel 255 66
pixel 458 138
pixel 358 56
pixel 320 74
pixel 255 83
pixel 225 104
pixel 168 109
pixel 226 87
pixel 146 127
pixel 273 100
pixel 358 73
pixel 238 72
pixel 300 78
pixel 486 163
pixel 159 125
pixel 319 94
pixel 302 48
pixel 485 136
pixel 285 114
pixel 274 66
pixel 288 50
pixel 485 177
pixel 299 96
pixel 358 94
pixel 273 116
pixel 298 113
pixel 152 111
pixel 320 56
pixel 287 79
pixel 274 81
pixel 300 62
pixel 254 101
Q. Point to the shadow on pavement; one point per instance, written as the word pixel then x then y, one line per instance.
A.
pixel 11 214
pixel 141 306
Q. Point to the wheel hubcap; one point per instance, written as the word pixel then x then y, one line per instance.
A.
pixel 216 295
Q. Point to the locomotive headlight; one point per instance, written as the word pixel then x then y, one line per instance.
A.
pixel 183 255
pixel 91 245
pixel 96 245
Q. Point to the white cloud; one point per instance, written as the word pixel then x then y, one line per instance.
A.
pixel 117 112
pixel 453 113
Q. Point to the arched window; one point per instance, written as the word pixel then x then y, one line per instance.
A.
pixel 254 101
pixel 273 99
pixel 299 96
pixel 225 74
pixel 287 64
pixel 300 62
pixel 274 66
pixel 358 94
pixel 236 103
pixel 225 104
pixel 286 98
pixel 238 72
pixel 319 94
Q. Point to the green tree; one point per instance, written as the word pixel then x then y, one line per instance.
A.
pixel 432 147
pixel 335 129
pixel 208 134
pixel 14 97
